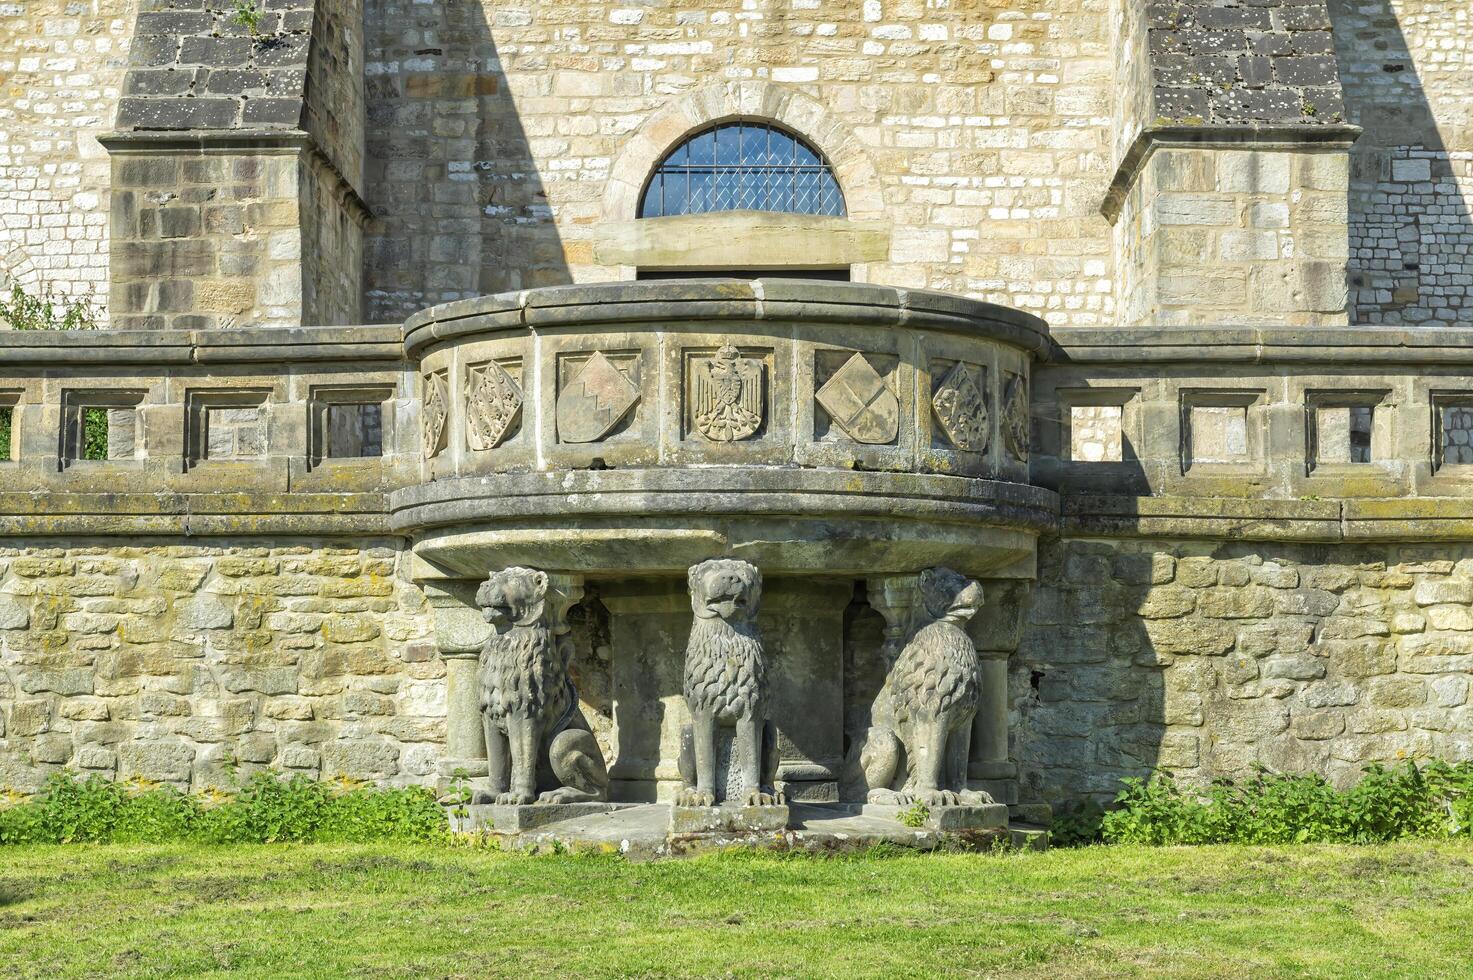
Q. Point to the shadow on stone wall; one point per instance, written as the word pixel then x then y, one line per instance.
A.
pixel 460 204
pixel 1411 234
pixel 1087 685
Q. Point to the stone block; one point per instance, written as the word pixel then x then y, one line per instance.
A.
pixel 360 759
pixel 1250 172
pixel 161 761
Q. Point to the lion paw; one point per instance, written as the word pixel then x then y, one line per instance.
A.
pixel 516 798
pixel 939 797
pixel 566 794
pixel 695 797
pixel 765 796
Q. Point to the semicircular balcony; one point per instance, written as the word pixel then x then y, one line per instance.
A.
pixel 805 426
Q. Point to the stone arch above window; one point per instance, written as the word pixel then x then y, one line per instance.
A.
pixel 742 166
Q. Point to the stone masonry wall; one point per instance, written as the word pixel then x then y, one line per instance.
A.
pixel 178 661
pixel 494 128
pixel 61 64
pixel 1407 67
pixel 1209 659
pixel 1235 236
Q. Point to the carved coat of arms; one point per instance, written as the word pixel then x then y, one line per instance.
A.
pixel 726 396
pixel 1014 419
pixel 594 401
pixel 435 413
pixel 492 406
pixel 860 403
pixel 961 411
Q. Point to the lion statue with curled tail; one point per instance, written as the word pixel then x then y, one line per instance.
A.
pixel 726 688
pixel 921 734
pixel 539 748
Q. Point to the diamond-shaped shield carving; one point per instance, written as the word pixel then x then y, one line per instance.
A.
pixel 594 401
pixel 961 411
pixel 493 404
pixel 860 403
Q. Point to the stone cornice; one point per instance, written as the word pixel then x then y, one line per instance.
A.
pixel 255 142
pixel 1331 136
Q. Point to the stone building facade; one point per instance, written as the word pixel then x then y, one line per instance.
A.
pixel 1216 486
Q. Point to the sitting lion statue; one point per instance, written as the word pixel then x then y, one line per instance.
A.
pixel 726 686
pixel 921 735
pixel 536 736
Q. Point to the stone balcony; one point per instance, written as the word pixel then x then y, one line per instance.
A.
pixel 865 429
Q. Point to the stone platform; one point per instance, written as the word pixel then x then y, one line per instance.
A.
pixel 984 816
pixel 645 831
pixel 505 819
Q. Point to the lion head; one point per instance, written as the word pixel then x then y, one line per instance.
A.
pixel 513 597
pixel 725 588
pixel 950 595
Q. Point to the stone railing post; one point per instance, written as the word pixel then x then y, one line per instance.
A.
pixel 460 630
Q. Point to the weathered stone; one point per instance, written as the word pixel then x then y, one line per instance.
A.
pixel 161 761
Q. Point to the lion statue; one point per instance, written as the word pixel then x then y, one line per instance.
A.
pixel 921 734
pixel 536 736
pixel 726 687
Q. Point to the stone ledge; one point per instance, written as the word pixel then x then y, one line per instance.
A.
pixel 654 302
pixel 1413 519
pixel 1262 345
pixel 175 347
pixel 46 513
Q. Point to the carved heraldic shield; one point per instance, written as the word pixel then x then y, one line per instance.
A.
pixel 595 400
pixel 435 413
pixel 727 396
pixel 960 410
pixel 860 403
pixel 493 405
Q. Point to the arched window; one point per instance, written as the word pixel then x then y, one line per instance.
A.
pixel 742 166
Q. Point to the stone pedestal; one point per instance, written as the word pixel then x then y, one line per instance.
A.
pixel 459 632
pixel 985 816
pixel 729 819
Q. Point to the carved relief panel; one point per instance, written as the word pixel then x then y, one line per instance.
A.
pixel 959 406
pixel 598 394
pixel 435 413
pixel 1014 421
pixel 493 403
pixel 725 394
pixel 858 401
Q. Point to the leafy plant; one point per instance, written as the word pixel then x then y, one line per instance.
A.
pixel 46 312
pixel 7 415
pixel 94 433
pixel 1076 824
pixel 266 809
pixel 247 14
pixel 1388 803
pixel 915 815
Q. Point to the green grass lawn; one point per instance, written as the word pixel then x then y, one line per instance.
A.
pixel 400 911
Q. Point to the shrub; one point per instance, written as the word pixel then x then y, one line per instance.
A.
pixel 1386 804
pixel 46 312
pixel 266 809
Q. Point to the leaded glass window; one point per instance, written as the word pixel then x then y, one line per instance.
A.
pixel 742 166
